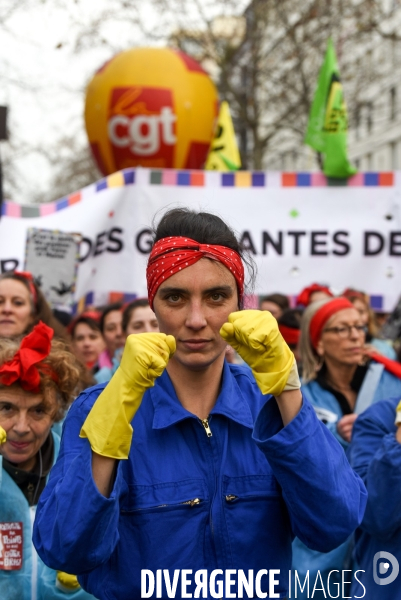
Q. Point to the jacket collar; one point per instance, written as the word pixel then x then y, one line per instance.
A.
pixel 168 410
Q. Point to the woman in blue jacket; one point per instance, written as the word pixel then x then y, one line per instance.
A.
pixel 340 384
pixel 226 465
pixel 37 382
pixel 375 454
pixel 338 377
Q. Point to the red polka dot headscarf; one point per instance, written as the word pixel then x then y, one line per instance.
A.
pixel 173 254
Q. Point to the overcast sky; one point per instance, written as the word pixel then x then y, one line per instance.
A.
pixel 44 78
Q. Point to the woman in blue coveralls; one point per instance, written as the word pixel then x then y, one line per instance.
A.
pixel 37 383
pixel 340 384
pixel 226 464
pixel 375 454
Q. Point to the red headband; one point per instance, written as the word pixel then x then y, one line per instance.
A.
pixel 350 293
pixel 290 334
pixel 23 366
pixel 171 255
pixel 323 314
pixel 94 315
pixel 304 296
pixel 29 279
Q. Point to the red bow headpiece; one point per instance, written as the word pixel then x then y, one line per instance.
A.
pixel 23 367
pixel 171 255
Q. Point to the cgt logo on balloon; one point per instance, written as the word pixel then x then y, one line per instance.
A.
pixel 142 125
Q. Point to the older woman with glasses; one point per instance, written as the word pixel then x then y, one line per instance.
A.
pixel 39 379
pixel 341 380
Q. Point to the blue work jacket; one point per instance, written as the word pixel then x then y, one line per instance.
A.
pixel 376 455
pixel 186 499
pixel 328 408
pixel 34 580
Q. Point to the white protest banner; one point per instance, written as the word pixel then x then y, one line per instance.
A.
pixel 299 229
pixel 52 257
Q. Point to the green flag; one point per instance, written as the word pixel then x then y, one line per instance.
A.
pixel 328 120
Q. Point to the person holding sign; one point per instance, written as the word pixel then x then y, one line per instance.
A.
pixel 226 464
pixel 38 379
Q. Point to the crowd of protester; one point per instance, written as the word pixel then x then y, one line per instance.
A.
pixel 348 367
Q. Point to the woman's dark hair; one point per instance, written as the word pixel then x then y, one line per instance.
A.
pixel 204 228
pixel 89 321
pixel 107 310
pixel 279 299
pixel 129 309
pixel 291 318
pixel 41 310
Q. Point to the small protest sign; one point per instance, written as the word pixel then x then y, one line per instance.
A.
pixel 11 544
pixel 53 257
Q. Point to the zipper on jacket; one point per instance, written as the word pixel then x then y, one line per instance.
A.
pixel 231 497
pixel 191 503
pixel 194 502
pixel 205 423
pixel 206 426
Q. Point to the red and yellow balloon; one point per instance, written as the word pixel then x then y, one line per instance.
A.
pixel 154 107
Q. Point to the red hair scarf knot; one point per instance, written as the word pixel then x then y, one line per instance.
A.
pixel 171 255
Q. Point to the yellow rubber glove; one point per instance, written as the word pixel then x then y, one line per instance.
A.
pixel 66 582
pixel 108 425
pixel 3 436
pixel 254 334
pixel 398 415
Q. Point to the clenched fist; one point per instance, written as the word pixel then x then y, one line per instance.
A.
pixel 254 334
pixel 108 425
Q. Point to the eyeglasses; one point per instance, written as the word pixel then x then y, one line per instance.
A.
pixel 345 330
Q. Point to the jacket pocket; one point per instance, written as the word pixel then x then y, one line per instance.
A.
pixel 163 497
pixel 258 526
pixel 161 526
